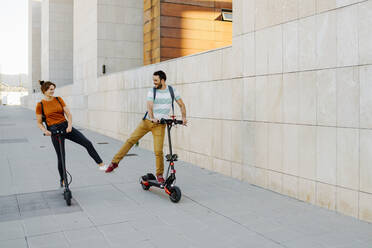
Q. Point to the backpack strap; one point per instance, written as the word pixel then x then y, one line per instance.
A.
pixel 171 91
pixel 59 101
pixel 172 95
pixel 43 117
pixel 57 97
pixel 154 94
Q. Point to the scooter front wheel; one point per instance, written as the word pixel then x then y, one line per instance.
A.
pixel 175 195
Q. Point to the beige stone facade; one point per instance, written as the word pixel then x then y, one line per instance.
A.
pixel 287 107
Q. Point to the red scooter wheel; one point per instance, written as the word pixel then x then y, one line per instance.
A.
pixel 144 186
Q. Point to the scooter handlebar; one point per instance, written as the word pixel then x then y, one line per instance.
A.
pixel 57 132
pixel 178 122
pixel 171 121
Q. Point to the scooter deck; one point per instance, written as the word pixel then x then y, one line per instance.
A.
pixel 155 183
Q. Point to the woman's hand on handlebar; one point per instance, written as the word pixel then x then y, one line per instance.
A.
pixel 184 121
pixel 47 133
pixel 69 129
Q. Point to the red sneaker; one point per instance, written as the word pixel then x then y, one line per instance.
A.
pixel 111 167
pixel 160 179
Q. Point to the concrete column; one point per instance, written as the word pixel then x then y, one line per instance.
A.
pixel 57 43
pixel 34 44
pixel 85 46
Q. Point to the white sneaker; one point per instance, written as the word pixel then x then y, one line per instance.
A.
pixel 103 167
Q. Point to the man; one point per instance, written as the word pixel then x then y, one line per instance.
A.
pixel 158 107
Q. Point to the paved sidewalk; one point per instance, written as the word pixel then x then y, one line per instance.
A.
pixel 112 210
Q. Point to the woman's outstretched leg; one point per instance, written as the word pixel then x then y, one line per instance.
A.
pixel 77 137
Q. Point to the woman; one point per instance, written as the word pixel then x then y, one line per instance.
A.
pixel 54 109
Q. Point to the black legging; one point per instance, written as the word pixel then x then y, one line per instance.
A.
pixel 76 137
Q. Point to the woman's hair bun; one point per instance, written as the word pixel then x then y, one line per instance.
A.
pixel 41 82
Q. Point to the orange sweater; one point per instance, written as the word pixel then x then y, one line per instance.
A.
pixel 53 111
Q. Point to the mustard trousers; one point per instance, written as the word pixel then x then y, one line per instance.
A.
pixel 158 133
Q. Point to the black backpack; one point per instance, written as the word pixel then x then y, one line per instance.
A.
pixel 172 95
pixel 43 118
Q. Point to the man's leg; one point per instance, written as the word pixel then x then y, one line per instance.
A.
pixel 158 133
pixel 141 130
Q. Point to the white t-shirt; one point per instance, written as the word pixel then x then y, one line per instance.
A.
pixel 163 102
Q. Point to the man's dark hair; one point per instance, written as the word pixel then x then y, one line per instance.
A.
pixel 161 75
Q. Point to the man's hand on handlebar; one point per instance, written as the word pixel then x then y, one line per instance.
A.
pixel 155 120
pixel 170 121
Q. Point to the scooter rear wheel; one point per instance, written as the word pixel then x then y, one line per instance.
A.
pixel 175 195
pixel 144 187
pixel 144 179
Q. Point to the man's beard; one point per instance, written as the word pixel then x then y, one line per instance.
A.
pixel 158 87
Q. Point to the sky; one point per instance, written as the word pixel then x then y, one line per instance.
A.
pixel 13 36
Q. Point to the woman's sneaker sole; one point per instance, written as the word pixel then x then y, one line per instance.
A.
pixel 103 167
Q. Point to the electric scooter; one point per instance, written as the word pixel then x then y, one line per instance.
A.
pixel 67 192
pixel 169 187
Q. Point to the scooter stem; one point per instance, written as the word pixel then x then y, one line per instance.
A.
pixel 59 137
pixel 169 139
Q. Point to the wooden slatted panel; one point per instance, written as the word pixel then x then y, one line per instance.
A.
pixel 188 27
pixel 151 31
pixel 146 5
pixel 186 34
pixel 186 23
pixel 187 11
pixel 178 52
pixel 178 28
pixel 222 43
pixel 220 26
pixel 223 4
pixel 187 43
pixel 203 3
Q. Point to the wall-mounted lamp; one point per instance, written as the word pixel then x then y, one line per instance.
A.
pixel 226 15
pixel 103 69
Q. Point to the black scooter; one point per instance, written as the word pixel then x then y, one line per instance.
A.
pixel 67 192
pixel 169 187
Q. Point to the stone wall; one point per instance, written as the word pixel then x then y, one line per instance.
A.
pixel 306 68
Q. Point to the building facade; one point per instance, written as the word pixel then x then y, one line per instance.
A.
pixel 286 107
